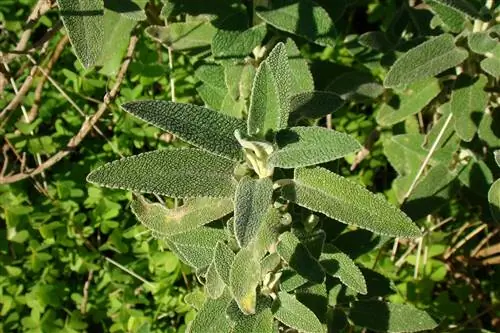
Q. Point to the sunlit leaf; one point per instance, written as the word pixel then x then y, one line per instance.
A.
pixel 244 278
pixel 339 265
pixel 294 314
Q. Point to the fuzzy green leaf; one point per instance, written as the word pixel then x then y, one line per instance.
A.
pixel 239 79
pixel 214 285
pixel 305 19
pixel 166 222
pixel 315 104
pixel 175 173
pixel 270 100
pixel 424 61
pixel 196 247
pixel 468 102
pixel 293 252
pixel 302 79
pixel 481 42
pixel 244 278
pixel 130 9
pixel 489 128
pixel 201 127
pixel 305 146
pixel 223 259
pixel 296 315
pixel 491 66
pixel 251 201
pixel 268 232
pixel 339 265
pixel 477 176
pixel 196 299
pixel 290 280
pixel 408 103
pixel 494 200
pixel 326 192
pixel 387 317
pixel 182 36
pixel 451 17
pixel 437 179
pixel 212 316
pixel 260 322
pixel 84 22
pixel 466 7
pixel 356 85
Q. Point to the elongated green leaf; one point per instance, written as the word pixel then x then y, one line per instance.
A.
pixel 267 235
pixel 182 36
pixel 196 299
pixel 305 146
pixel 491 66
pixel 477 176
pixel 410 102
pixel 193 214
pixel 326 192
pixel 291 280
pixel 174 173
pixel 130 9
pixel 244 278
pixel 481 42
pixel 260 322
pixel 212 316
pixel 468 102
pixel 437 179
pixel 451 17
pixel 295 314
pixel 196 247
pixel 315 104
pixel 489 128
pixel 464 6
pixel 306 19
pixel 339 265
pixel 84 22
pixel 223 260
pixel 214 286
pixel 239 79
pixel 197 125
pixel 387 317
pixel 252 200
pixel 293 252
pixel 494 200
pixel 302 79
pixel 356 85
pixel 270 100
pixel 424 61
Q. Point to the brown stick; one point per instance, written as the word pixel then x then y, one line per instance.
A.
pixel 83 306
pixel 14 103
pixel 86 126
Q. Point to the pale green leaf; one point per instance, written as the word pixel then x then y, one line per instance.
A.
pixel 196 299
pixel 214 285
pixel 436 179
pixel 298 257
pixel 454 19
pixel 223 259
pixel 357 86
pixel 270 100
pixel 244 278
pixel 466 7
pixel 174 173
pixel 291 280
pixel 468 102
pixel 306 19
pixel 326 192
pixel 491 66
pixel 130 9
pixel 426 60
pixel 196 125
pixel 181 36
pixel 239 79
pixel 305 146
pixel 409 102
pixel 268 232
pixel 260 322
pixel 481 42
pixel 193 214
pixel 212 316
pixel 252 199
pixel 388 317
pixel 315 104
pixel 196 247
pixel 496 153
pixel 302 80
pixel 296 315
pixel 494 200
pixel 339 265
pixel 489 128
pixel 84 22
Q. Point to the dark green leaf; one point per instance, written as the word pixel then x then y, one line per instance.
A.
pixel 182 36
pixel 296 315
pixel 339 265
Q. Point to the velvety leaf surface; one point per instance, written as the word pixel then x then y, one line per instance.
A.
pixel 468 102
pixel 214 285
pixel 197 125
pixel 182 36
pixel 293 252
pixel 212 316
pixel 326 192
pixel 306 19
pixel 453 18
pixel 260 322
pixel 356 85
pixel 302 79
pixel 195 213
pixel 296 315
pixel 409 102
pixel 437 179
pixel 494 200
pixel 491 66
pixel 130 9
pixel 83 20
pixel 270 100
pixel 223 260
pixel 244 278
pixel 314 104
pixel 252 199
pixel 481 42
pixel 464 6
pixel 339 265
pixel 489 128
pixel 426 60
pixel 268 232
pixel 387 317
pixel 174 173
pixel 305 146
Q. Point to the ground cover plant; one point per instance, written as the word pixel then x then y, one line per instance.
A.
pixel 292 165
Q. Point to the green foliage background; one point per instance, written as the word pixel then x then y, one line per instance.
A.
pixel 62 241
